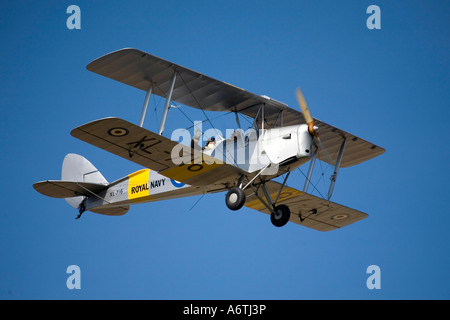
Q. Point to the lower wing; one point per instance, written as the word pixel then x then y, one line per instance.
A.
pixel 308 210
pixel 155 152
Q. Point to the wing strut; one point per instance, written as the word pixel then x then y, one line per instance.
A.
pixel 310 171
pixel 336 169
pixel 144 108
pixel 167 105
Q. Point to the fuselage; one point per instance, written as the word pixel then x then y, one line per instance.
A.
pixel 277 146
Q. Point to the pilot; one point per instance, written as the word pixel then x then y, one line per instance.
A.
pixel 195 139
pixel 210 143
pixel 236 135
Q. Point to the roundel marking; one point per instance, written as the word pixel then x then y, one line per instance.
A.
pixel 118 132
pixel 195 167
pixel 340 216
pixel 177 183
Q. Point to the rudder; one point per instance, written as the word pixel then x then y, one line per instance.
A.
pixel 78 168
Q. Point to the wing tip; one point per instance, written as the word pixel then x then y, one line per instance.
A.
pixel 91 65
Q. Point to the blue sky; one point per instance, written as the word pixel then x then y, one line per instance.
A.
pixel 389 86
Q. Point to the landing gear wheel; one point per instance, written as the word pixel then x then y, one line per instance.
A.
pixel 280 216
pixel 235 198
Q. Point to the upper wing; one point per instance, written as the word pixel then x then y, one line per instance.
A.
pixel 142 70
pixel 315 213
pixel 155 152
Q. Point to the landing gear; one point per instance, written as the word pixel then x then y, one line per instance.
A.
pixel 235 198
pixel 280 215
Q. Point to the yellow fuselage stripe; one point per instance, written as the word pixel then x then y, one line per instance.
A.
pixel 138 184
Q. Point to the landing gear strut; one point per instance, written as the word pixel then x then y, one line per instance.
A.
pixel 279 215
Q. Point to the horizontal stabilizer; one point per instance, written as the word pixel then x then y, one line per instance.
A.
pixel 112 211
pixel 67 189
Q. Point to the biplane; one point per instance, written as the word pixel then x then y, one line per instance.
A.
pixel 242 165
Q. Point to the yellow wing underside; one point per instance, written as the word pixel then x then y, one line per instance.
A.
pixel 307 210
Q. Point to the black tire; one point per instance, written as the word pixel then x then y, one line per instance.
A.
pixel 235 198
pixel 281 215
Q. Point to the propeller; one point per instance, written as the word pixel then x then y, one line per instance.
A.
pixel 306 114
pixel 313 130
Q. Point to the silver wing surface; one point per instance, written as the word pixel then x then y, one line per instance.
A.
pixel 142 70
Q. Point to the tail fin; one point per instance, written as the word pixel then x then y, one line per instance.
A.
pixel 78 168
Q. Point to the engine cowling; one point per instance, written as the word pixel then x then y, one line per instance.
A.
pixel 282 144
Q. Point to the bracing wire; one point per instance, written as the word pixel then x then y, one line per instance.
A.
pixel 197 202
pixel 311 183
